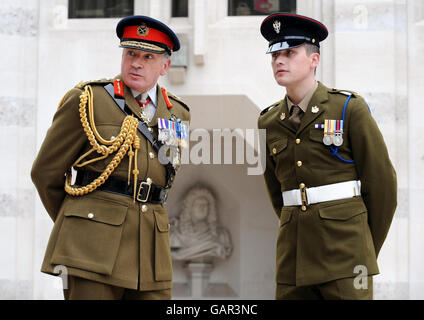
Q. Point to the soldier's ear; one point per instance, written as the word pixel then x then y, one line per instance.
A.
pixel 165 67
pixel 315 58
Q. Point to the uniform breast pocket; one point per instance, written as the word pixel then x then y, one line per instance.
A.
pixel 316 135
pixel 277 146
pixel 90 235
pixel 278 150
pixel 320 155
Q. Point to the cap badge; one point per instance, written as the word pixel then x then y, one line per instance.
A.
pixel 277 26
pixel 143 30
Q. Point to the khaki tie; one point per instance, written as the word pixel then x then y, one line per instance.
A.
pixel 294 119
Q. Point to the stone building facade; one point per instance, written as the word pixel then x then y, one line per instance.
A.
pixel 374 48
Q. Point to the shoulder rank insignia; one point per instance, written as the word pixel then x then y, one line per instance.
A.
pixel 165 96
pixel 118 87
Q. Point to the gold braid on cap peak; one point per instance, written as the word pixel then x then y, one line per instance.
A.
pixel 126 138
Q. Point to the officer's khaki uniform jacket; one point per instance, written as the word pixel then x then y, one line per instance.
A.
pixel 331 238
pixel 120 245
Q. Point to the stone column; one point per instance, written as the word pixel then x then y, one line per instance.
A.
pixel 415 142
pixel 18 99
pixel 199 274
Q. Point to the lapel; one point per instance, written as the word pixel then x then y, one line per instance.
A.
pixel 162 110
pixel 318 99
pixel 130 100
pixel 283 108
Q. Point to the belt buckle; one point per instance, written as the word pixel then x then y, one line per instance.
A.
pixel 303 197
pixel 149 184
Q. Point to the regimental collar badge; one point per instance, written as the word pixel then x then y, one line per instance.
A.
pixel 277 26
pixel 282 116
pixel 143 30
pixel 314 109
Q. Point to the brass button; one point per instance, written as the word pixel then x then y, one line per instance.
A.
pixel 144 208
pixel 302 185
pixel 303 208
pixel 90 215
pixel 150 129
pixel 299 164
pixel 297 141
pixel 274 151
pixel 151 155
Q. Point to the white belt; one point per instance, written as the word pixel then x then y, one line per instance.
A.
pixel 336 191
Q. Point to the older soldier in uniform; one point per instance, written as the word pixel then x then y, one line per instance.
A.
pixel 328 173
pixel 111 231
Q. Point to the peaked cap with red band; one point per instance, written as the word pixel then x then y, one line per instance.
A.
pixel 287 30
pixel 147 34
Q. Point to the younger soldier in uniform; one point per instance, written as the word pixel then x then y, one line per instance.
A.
pixel 328 173
pixel 111 231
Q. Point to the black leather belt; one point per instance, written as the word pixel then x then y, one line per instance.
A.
pixel 146 190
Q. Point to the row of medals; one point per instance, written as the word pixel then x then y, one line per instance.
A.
pixel 169 138
pixel 331 135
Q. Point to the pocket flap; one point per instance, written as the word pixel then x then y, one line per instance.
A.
pixel 276 146
pixel 161 218
pixel 316 135
pixel 285 217
pixel 98 210
pixel 343 211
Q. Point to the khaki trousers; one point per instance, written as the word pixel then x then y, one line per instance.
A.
pixel 341 289
pixel 83 289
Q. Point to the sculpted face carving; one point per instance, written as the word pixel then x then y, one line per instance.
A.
pixel 199 211
pixel 196 235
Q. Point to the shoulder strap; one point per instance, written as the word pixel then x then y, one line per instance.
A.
pixel 177 99
pixel 345 92
pixel 269 108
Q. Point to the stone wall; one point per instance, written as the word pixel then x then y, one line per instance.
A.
pixel 374 47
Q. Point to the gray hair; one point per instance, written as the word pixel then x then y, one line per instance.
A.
pixel 166 57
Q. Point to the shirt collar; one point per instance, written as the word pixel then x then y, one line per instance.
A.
pixel 305 101
pixel 152 94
